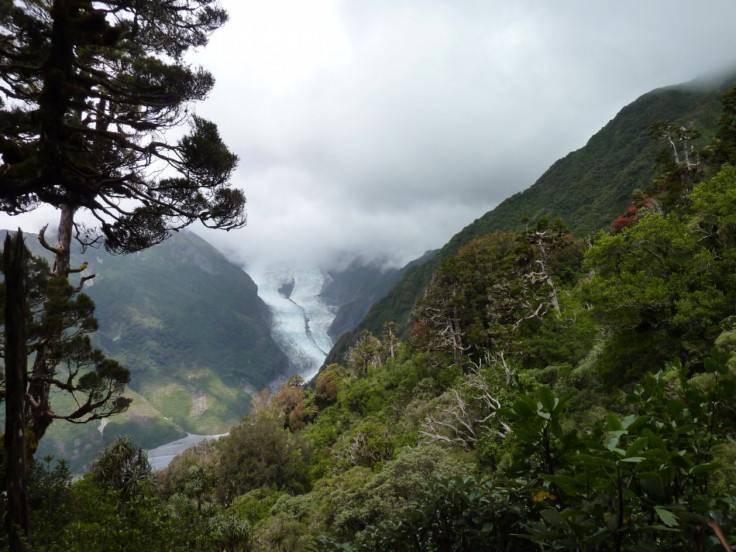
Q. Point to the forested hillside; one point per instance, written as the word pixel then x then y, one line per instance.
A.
pixel 588 188
pixel 559 376
pixel 354 289
pixel 553 392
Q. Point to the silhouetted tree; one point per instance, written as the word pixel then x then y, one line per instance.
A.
pixel 88 93
pixel 16 519
pixel 90 89
pixel 94 382
pixel 124 467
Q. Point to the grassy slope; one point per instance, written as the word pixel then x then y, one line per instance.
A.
pixel 180 308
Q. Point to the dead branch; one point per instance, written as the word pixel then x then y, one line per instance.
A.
pixel 462 423
pixel 45 244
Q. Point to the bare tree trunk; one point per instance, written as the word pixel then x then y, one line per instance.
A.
pixel 548 276
pixel 457 337
pixel 674 149
pixel 62 253
pixel 719 533
pixel 38 409
pixel 15 389
pixel 456 333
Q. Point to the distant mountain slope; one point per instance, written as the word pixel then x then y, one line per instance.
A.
pixel 394 305
pixel 591 186
pixel 179 307
pixel 190 327
pixel 588 187
pixel 354 289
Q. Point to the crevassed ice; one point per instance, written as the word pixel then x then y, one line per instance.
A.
pixel 299 322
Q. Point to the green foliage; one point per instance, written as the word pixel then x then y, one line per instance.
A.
pixel 398 488
pixel 532 360
pixel 256 505
pixel 498 287
pixel 451 315
pixel 209 367
pixel 364 396
pixel 95 88
pixel 365 354
pixel 85 515
pixel 90 83
pixel 123 467
pixel 724 143
pixel 50 502
pixel 467 414
pixel 89 384
pixel 135 294
pixel 584 466
pixel 642 480
pixel 662 287
pixel 327 384
pixel 107 511
pixel 282 533
pixel 191 474
pixel 713 203
pixel 450 514
pixel 564 339
pixel 541 443
pixel 99 524
pixel 260 452
pixel 229 533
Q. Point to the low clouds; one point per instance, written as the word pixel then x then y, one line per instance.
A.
pixel 385 126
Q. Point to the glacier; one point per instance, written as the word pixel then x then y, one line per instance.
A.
pixel 300 318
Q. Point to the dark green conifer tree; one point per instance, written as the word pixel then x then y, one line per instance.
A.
pixel 88 91
pixel 94 382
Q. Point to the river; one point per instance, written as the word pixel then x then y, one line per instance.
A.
pixel 160 457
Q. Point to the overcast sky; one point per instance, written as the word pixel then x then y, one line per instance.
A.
pixel 386 126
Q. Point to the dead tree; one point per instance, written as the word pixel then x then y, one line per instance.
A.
pixel 467 416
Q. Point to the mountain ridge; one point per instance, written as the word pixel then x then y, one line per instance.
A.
pixel 597 179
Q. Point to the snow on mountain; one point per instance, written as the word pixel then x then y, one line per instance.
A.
pixel 300 318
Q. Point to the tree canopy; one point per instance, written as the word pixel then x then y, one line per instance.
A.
pixel 89 91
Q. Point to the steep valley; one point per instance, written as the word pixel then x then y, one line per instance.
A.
pixel 191 329
pixel 200 335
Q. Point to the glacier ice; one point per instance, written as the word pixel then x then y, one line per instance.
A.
pixel 300 318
